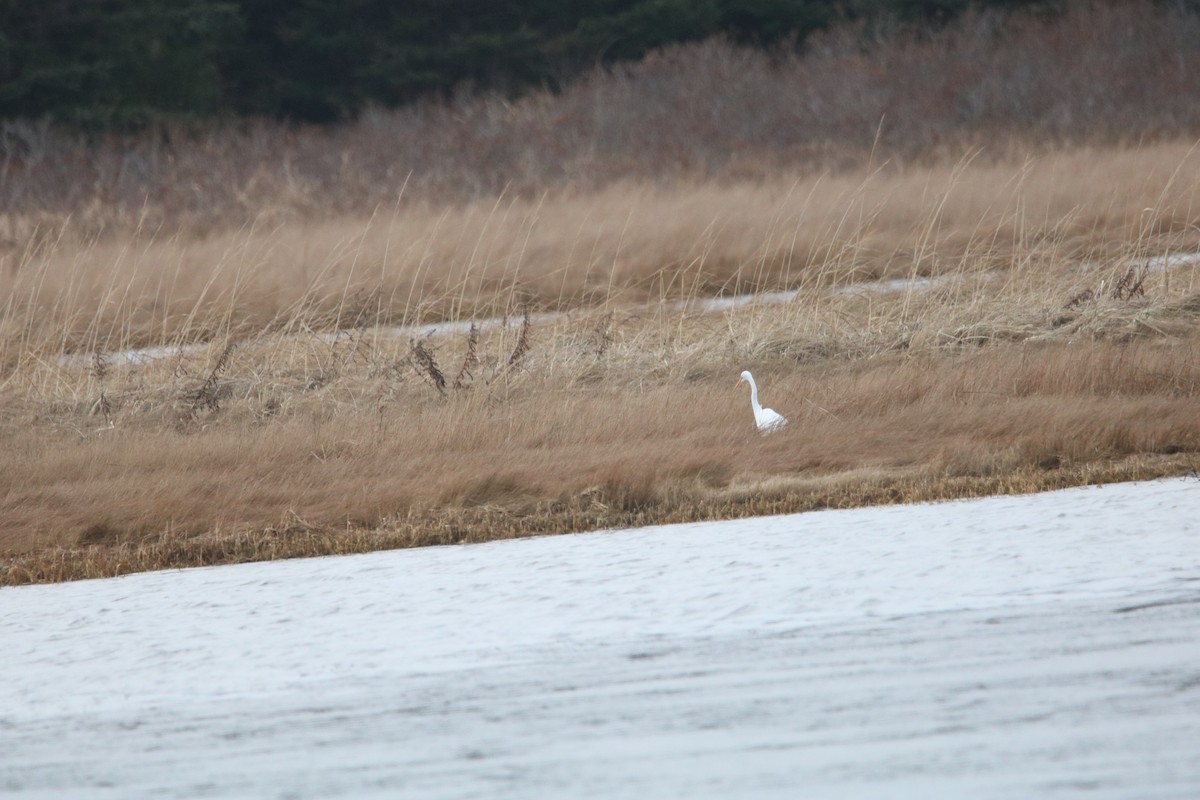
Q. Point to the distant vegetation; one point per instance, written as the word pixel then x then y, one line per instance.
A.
pixel 121 63
pixel 1112 73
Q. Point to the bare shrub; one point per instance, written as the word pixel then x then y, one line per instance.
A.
pixel 521 348
pixel 1130 284
pixel 425 364
pixel 470 359
pixel 207 395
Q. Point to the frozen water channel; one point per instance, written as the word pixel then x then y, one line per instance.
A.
pixel 1042 646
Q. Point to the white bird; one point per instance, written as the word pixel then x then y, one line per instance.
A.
pixel 768 420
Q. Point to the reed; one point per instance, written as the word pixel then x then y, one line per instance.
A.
pixel 654 432
pixel 626 243
pixel 946 330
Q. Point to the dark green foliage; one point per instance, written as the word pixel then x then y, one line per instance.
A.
pixel 934 11
pixel 125 63
pixel 766 22
pixel 114 63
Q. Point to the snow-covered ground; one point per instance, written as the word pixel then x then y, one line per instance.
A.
pixel 1021 647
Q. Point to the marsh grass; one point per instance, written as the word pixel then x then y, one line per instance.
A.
pixel 974 253
pixel 625 243
pixel 949 330
pixel 652 432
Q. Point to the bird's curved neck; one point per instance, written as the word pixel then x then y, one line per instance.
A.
pixel 754 397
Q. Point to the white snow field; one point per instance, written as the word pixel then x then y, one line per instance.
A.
pixel 1040 646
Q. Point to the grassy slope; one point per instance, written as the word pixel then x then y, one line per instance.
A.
pixel 298 443
pixel 629 242
pixel 1024 361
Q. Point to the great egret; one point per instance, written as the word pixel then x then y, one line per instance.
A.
pixel 767 419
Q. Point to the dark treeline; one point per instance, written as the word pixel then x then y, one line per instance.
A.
pixel 103 64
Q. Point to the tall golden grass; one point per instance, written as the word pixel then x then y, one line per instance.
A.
pixel 628 242
pixel 1045 334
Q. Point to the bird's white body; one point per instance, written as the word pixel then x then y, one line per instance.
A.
pixel 768 420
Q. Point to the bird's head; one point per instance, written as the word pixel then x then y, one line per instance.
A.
pixel 744 378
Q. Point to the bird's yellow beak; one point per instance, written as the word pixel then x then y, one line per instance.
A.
pixel 740 381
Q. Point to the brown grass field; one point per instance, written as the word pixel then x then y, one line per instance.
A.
pixel 1044 332
pixel 988 237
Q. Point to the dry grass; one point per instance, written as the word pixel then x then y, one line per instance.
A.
pixel 1084 71
pixel 574 249
pixel 296 443
pixel 1046 334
